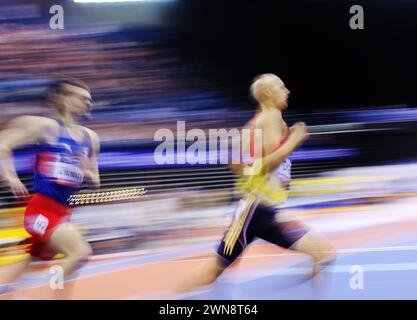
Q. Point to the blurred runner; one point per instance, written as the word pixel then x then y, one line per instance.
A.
pixel 66 156
pixel 264 185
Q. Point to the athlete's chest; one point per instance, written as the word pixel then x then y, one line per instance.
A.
pixel 66 141
pixel 62 161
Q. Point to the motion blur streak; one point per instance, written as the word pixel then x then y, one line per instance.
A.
pixel 150 64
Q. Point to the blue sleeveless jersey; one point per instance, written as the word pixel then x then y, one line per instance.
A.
pixel 58 172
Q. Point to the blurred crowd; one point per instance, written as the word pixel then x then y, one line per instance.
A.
pixel 144 83
pixel 141 81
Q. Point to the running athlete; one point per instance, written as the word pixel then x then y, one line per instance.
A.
pixel 265 187
pixel 66 156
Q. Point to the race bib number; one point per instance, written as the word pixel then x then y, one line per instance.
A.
pixel 283 173
pixel 40 225
pixel 68 174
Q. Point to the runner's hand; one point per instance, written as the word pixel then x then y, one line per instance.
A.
pixel 300 132
pixel 18 189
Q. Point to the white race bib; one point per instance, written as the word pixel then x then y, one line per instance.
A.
pixel 283 173
pixel 67 174
pixel 41 223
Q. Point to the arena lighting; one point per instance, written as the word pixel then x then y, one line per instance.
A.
pixel 116 1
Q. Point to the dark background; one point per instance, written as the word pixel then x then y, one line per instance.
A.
pixel 310 44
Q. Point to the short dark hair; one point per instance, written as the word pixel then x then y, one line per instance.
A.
pixel 58 86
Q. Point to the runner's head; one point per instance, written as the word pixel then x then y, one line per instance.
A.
pixel 70 96
pixel 270 91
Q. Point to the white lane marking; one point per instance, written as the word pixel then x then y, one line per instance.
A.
pixel 284 269
pixel 295 253
pixel 306 271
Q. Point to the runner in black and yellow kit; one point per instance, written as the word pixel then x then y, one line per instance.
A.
pixel 264 187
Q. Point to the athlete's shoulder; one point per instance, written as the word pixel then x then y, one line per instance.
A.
pixel 95 139
pixel 32 120
pixel 33 123
pixel 28 129
pixel 93 135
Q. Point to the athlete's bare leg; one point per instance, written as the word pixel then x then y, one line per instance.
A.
pixel 19 268
pixel 322 254
pixel 320 250
pixel 203 275
pixel 312 244
pixel 67 239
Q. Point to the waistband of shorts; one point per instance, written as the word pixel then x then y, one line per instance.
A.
pixel 52 204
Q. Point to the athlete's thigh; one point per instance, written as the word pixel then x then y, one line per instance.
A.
pixel 317 246
pixel 66 239
pixel 282 232
pixel 240 233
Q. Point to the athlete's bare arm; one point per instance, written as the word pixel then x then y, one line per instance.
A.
pixel 271 123
pixel 272 126
pixel 18 132
pixel 91 171
pixel 298 133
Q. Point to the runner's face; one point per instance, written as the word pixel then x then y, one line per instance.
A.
pixel 279 93
pixel 77 100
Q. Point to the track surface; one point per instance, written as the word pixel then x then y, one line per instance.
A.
pixel 377 260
